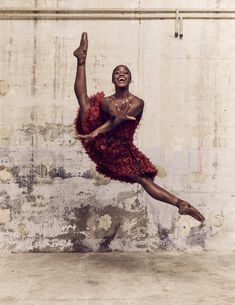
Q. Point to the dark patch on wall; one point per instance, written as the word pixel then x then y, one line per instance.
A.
pixel 59 172
pixel 83 224
pixel 15 170
pixel 35 172
pixel 87 174
pixel 165 242
pixel 50 131
pixel 25 181
pixel 197 236
pixel 5 202
pixel 77 219
pixel 136 204
pixel 104 245
pixel 79 247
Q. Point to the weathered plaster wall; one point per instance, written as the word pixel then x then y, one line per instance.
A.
pixel 51 198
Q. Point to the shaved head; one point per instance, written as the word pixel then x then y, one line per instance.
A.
pixel 118 67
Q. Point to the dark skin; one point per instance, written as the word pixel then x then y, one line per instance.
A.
pixel 122 106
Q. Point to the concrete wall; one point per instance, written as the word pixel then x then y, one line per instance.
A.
pixel 51 198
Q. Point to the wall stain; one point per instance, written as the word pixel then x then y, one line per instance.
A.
pixel 83 224
pixel 197 236
pixel 126 195
pixel 165 242
pixel 34 63
pixel 77 225
pixel 88 174
pixel 50 131
pixel 59 173
pixel 105 243
pixel 5 174
pixel 197 177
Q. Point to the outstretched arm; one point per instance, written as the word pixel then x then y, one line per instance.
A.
pixel 80 86
pixel 126 112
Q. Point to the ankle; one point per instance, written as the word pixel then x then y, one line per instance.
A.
pixel 179 202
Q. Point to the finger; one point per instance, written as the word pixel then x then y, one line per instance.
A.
pixel 81 137
pixel 118 108
pixel 128 106
pixel 123 105
pixel 131 118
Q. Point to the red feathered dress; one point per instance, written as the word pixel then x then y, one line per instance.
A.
pixel 113 152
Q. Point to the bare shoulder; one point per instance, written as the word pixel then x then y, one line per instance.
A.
pixel 137 101
pixel 104 103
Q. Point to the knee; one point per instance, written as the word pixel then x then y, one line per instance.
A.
pixel 143 180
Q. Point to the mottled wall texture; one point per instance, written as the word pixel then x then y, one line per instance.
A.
pixel 51 198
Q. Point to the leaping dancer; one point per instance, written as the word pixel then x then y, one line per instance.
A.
pixel 106 126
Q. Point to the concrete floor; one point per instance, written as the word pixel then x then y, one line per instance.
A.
pixel 117 278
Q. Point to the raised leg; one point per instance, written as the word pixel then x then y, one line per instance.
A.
pixel 80 86
pixel 161 194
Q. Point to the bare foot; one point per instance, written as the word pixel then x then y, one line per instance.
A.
pixel 81 51
pixel 187 209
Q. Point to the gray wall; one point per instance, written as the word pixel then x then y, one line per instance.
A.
pixel 51 198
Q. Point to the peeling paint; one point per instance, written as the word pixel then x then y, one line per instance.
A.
pixel 5 174
pixel 105 243
pixel 126 195
pixel 101 180
pixel 3 88
pixel 197 177
pixel 105 222
pixel 5 216
pixel 216 220
pixel 161 171
pixel 24 232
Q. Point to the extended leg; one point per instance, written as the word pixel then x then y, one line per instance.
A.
pixel 161 194
pixel 80 86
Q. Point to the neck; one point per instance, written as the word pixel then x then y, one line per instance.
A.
pixel 122 92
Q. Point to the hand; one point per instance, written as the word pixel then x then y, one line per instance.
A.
pixel 81 51
pixel 121 111
pixel 88 137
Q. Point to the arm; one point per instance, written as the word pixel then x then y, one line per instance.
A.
pixel 128 111
pixel 80 86
pixel 107 126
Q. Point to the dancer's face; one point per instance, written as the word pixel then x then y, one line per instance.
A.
pixel 121 76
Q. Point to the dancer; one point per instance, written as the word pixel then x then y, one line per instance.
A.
pixel 106 126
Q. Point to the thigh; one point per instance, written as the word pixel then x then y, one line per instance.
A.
pixel 143 179
pixel 83 110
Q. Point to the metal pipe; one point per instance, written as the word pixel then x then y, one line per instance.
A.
pixel 104 17
pixel 115 10
pixel 113 14
pixel 181 27
pixel 177 24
